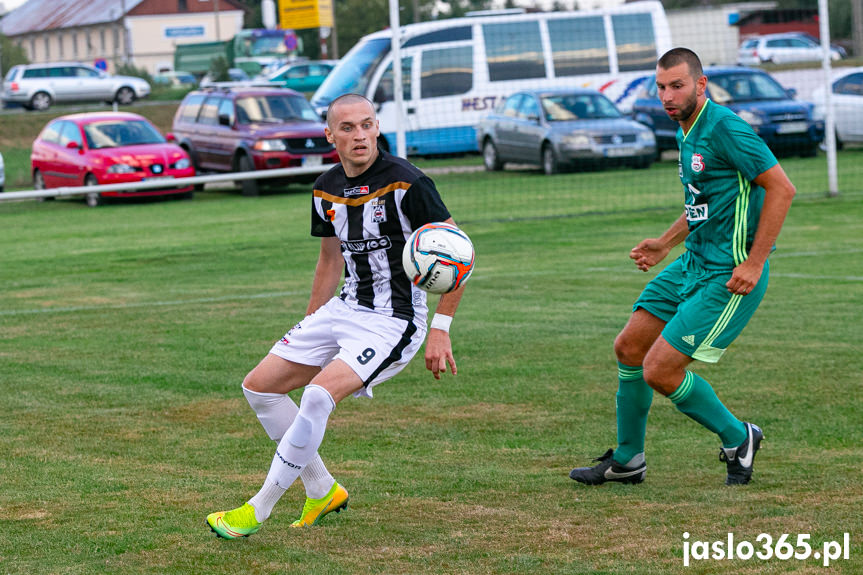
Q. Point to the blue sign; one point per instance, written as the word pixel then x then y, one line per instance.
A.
pixel 291 41
pixel 183 31
pixel 101 64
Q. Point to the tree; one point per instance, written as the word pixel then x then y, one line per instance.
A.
pixel 10 55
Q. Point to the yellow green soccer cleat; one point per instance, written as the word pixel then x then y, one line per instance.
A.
pixel 239 522
pixel 315 509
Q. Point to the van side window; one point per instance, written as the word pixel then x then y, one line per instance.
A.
pixel 456 34
pixel 636 46
pixel 191 107
pixel 578 46
pixel 447 72
pixel 385 92
pixel 210 111
pixel 514 51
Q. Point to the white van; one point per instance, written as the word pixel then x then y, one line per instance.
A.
pixel 455 71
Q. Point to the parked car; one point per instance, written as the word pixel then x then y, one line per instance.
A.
pixel 786 125
pixel 234 75
pixel 847 103
pixel 302 76
pixel 245 129
pixel 557 129
pixel 38 86
pixel 175 79
pixel 2 174
pixel 107 148
pixel 781 49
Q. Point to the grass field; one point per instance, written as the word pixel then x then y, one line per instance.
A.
pixel 125 332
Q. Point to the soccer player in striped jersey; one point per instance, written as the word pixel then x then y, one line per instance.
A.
pixel 736 199
pixel 363 209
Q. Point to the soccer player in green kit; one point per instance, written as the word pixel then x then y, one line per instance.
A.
pixel 736 199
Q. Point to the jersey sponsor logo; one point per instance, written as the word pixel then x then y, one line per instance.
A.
pixel 689 339
pixel 357 191
pixel 697 164
pixel 367 246
pixel 379 213
pixel 696 213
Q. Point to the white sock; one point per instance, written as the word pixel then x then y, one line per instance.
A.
pixel 276 412
pixel 298 446
pixel 265 499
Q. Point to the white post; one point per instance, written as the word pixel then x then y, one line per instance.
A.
pixel 829 116
pixel 401 147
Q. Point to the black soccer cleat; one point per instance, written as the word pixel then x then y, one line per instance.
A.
pixel 741 460
pixel 608 470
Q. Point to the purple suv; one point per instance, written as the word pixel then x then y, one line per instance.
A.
pixel 245 129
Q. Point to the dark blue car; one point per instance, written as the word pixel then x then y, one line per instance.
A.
pixel 786 124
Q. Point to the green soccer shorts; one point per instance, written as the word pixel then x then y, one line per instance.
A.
pixel 702 317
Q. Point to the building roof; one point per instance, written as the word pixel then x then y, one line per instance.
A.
pixel 41 15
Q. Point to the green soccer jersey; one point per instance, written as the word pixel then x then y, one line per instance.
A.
pixel 719 158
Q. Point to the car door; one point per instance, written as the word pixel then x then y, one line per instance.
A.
pixel 848 106
pixel 225 139
pixel 71 161
pixel 64 84
pixel 44 156
pixel 92 85
pixel 297 78
pixel 384 100
pixel 506 129
pixel 527 142
pixel 206 132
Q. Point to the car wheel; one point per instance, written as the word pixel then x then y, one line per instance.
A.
pixel 550 164
pixel 249 188
pixel 125 96
pixel 39 184
pixel 94 199
pixel 839 144
pixel 490 158
pixel 40 101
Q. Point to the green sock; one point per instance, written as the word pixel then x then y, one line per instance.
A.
pixel 634 397
pixel 696 398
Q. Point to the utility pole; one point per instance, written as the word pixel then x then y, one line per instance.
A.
pixel 857 27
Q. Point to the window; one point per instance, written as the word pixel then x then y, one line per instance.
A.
pixel 47 48
pixel 514 51
pixel 75 44
pixel 298 72
pixel 226 108
pixel 447 72
pixel 510 107
pixel 51 133
pixel 850 85
pixel 636 46
pixel 81 72
pixel 209 115
pixel 32 49
pixel 60 45
pixel 182 6
pixel 102 39
pixel 578 46
pixel 384 91
pixel 191 107
pixel 70 133
pixel 446 35
pixel 529 109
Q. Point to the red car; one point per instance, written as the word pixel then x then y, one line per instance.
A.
pixel 107 148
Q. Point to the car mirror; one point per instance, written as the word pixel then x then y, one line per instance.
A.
pixel 792 92
pixel 224 120
pixel 170 137
pixel 72 145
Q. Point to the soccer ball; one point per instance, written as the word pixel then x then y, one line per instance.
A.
pixel 438 257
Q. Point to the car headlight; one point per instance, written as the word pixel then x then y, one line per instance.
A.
pixel 182 164
pixel 577 140
pixel 270 146
pixel 121 169
pixel 751 118
pixel 646 137
pixel 818 113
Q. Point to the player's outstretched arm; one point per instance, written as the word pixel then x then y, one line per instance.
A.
pixel 778 193
pixel 438 344
pixel 651 251
pixel 328 273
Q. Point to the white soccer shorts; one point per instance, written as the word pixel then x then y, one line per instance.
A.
pixel 375 346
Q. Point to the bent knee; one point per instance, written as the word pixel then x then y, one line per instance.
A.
pixel 628 350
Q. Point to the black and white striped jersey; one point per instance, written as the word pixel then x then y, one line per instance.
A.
pixel 373 215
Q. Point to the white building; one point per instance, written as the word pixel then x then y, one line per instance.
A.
pixel 141 32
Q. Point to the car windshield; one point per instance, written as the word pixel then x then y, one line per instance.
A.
pixel 568 107
pixel 274 109
pixel 114 133
pixel 734 88
pixel 354 72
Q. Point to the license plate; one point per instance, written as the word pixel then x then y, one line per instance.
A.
pixel 619 152
pixel 155 178
pixel 312 161
pixel 792 128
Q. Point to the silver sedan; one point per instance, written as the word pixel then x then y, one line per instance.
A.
pixel 561 129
